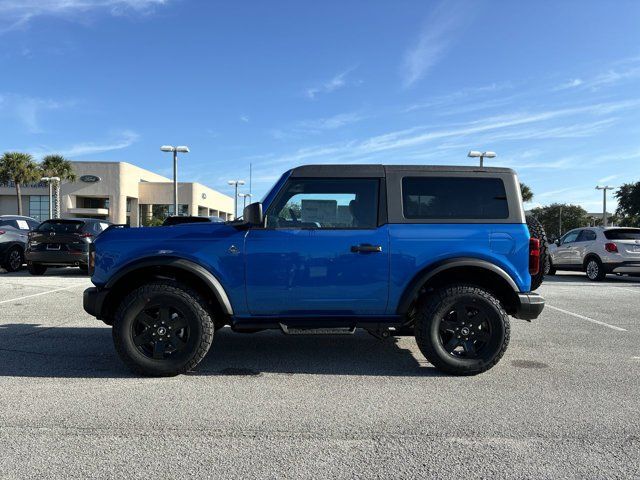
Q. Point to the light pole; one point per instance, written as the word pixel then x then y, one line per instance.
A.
pixel 235 183
pixel 481 155
pixel 604 202
pixel 244 199
pixel 49 181
pixel 175 150
pixel 560 222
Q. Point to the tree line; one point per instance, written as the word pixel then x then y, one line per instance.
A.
pixel 559 218
pixel 21 169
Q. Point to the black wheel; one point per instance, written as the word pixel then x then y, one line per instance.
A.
pixel 594 269
pixel 549 269
pixel 536 230
pixel 162 329
pixel 13 260
pixel 36 268
pixel 462 329
pixel 83 268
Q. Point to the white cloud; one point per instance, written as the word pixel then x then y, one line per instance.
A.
pixel 244 118
pixel 435 39
pixel 337 82
pixel 28 110
pixel 122 139
pixel 608 178
pixel 576 82
pixel 18 13
pixel 317 126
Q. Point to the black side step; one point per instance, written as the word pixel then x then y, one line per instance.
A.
pixel 317 331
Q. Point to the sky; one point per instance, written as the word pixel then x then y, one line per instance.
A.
pixel 552 87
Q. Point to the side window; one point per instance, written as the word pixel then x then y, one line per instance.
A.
pixel 586 236
pixel 454 198
pixel 326 203
pixel 33 225
pixel 570 237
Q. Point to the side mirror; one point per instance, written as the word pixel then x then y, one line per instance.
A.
pixel 252 214
pixel 557 242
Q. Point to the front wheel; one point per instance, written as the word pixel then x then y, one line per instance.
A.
pixel 462 329
pixel 594 270
pixel 162 329
pixel 14 260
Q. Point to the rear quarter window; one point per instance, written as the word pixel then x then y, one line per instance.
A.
pixel 454 198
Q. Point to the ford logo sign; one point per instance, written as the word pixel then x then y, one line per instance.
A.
pixel 89 178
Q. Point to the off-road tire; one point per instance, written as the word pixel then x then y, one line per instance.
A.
pixel 11 263
pixel 36 268
pixel 536 230
pixel 198 316
pixel 594 269
pixel 434 307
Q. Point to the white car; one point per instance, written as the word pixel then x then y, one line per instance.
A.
pixel 597 251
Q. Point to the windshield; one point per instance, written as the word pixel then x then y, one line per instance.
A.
pixel 61 226
pixel 622 234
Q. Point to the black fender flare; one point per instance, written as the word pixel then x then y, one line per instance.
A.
pixel 414 286
pixel 181 264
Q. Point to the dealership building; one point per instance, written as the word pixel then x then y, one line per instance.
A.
pixel 120 193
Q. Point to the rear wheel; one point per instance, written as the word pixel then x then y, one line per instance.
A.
pixel 549 269
pixel 594 269
pixel 162 329
pixel 36 268
pixel 13 260
pixel 462 329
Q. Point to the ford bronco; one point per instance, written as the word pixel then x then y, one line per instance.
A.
pixel 442 253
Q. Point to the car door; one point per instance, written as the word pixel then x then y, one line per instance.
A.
pixel 322 252
pixel 582 246
pixel 564 253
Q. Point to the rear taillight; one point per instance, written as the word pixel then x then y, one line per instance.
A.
pixel 2 232
pixel 92 259
pixel 611 247
pixel 534 256
pixel 86 235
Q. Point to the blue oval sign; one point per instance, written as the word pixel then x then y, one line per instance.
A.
pixel 89 178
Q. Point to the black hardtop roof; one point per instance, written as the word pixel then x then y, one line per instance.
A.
pixel 372 170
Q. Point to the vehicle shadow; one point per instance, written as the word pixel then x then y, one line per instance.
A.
pixel 51 272
pixel 30 350
pixel 579 277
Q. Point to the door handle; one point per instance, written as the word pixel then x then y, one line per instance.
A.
pixel 366 248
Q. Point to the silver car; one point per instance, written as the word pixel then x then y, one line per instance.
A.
pixel 13 240
pixel 597 251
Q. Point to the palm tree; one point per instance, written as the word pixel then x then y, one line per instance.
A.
pixel 57 166
pixel 527 194
pixel 18 168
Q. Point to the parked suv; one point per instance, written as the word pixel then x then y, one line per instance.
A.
pixel 13 240
pixel 442 253
pixel 597 251
pixel 62 242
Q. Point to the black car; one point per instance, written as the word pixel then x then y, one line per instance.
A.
pixel 13 240
pixel 62 242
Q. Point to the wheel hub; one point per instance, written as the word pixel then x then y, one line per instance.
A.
pixel 161 331
pixel 465 331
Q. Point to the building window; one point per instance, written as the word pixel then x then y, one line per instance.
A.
pixel 92 202
pixel 39 207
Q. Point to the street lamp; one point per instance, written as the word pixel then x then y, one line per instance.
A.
pixel 604 202
pixel 49 180
pixel 244 199
pixel 481 155
pixel 235 183
pixel 175 150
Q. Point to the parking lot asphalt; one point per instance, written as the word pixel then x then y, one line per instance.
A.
pixel 563 402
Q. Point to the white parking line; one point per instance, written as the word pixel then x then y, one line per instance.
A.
pixel 577 315
pixel 41 293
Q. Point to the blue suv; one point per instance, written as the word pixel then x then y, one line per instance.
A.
pixel 442 253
